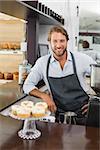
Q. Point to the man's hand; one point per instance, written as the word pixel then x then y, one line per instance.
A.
pixel 45 97
pixel 24 75
pixel 51 105
pixel 85 108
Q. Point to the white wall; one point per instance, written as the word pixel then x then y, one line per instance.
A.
pixel 43 33
pixel 67 8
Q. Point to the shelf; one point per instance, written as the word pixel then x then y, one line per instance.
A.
pixel 31 12
pixel 6 52
pixel 22 10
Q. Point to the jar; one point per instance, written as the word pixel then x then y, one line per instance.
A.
pixel 24 69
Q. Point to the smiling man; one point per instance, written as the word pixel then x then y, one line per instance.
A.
pixel 64 75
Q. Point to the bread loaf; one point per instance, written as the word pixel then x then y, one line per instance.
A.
pixel 15 76
pixel 1 75
pixel 8 76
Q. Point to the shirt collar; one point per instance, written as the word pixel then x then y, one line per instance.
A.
pixel 54 60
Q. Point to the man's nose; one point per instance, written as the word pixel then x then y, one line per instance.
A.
pixel 58 45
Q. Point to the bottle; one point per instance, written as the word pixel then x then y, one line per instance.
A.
pixel 24 68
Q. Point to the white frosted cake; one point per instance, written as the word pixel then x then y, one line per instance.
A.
pixel 38 112
pixel 20 111
pixel 42 105
pixel 27 104
pixel 40 109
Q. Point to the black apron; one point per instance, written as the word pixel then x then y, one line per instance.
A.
pixel 67 92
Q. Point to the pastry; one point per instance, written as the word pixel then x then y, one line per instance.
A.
pixel 1 75
pixel 15 76
pixel 38 112
pixel 42 105
pixel 8 76
pixel 27 105
pixel 20 111
pixel 23 113
pixel 28 109
pixel 14 109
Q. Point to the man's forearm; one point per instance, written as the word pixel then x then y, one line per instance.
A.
pixel 45 97
pixel 37 93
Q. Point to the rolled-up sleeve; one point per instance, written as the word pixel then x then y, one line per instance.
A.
pixel 33 78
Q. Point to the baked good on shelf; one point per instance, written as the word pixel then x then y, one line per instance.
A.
pixel 8 76
pixel 15 76
pixel 1 75
pixel 10 45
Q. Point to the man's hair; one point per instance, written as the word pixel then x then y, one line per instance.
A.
pixel 58 29
pixel 85 44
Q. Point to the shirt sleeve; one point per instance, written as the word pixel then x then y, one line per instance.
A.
pixel 89 62
pixel 33 78
pixel 98 57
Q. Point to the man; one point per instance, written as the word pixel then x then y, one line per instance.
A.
pixel 64 73
pixel 92 53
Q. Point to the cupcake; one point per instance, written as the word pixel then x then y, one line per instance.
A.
pixel 14 109
pixel 8 76
pixel 15 76
pixel 38 112
pixel 23 113
pixel 20 111
pixel 42 105
pixel 1 75
pixel 27 105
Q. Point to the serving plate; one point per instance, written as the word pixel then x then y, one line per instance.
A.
pixel 29 130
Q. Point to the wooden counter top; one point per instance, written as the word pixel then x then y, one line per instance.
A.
pixel 54 136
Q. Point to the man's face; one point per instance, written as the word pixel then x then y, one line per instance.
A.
pixel 58 43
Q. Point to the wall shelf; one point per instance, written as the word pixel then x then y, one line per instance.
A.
pixel 22 10
pixel 29 11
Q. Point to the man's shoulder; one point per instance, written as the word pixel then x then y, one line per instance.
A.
pixel 83 58
pixel 80 55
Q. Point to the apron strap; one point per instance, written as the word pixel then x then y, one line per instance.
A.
pixel 74 66
pixel 73 61
pixel 48 66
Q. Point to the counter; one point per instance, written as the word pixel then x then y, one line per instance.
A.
pixel 12 92
pixel 54 136
pixel 9 94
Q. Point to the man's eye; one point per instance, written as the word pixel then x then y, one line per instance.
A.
pixel 55 41
pixel 62 41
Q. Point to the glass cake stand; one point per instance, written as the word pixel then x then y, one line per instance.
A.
pixel 29 130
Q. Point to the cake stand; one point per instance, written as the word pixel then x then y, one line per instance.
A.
pixel 29 130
